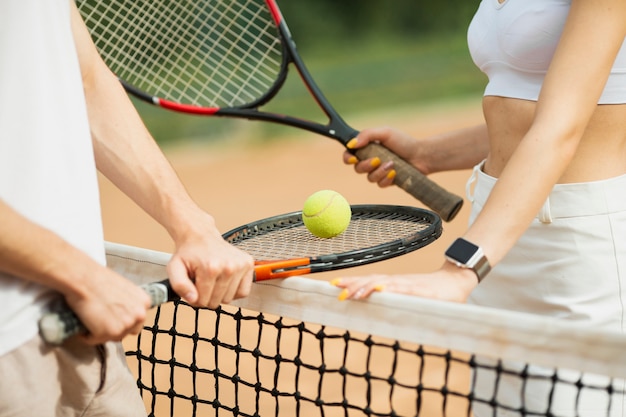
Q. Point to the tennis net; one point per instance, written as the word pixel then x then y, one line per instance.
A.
pixel 292 349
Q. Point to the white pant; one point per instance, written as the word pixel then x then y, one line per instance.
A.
pixel 570 264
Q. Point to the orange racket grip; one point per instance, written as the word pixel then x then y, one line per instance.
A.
pixel 264 270
pixel 438 199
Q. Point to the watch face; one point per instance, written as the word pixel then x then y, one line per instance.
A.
pixel 461 251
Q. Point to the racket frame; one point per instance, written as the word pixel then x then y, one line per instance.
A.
pixel 272 269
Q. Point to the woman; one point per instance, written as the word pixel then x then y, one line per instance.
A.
pixel 549 203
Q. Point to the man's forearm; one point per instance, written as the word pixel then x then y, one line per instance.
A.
pixel 127 155
pixel 34 253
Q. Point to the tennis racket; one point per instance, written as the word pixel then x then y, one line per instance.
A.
pixel 283 247
pixel 225 58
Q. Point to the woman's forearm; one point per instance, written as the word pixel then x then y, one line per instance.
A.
pixel 459 149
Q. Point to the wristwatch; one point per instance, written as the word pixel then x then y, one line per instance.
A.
pixel 465 254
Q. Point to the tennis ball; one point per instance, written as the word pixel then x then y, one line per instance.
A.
pixel 326 213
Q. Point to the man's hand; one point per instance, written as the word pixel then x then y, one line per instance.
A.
pixel 205 270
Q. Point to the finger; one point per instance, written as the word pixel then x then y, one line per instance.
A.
pixel 357 288
pixel 349 158
pixel 367 136
pixel 388 180
pixel 357 294
pixel 367 290
pixel 356 143
pixel 219 290
pixel 342 282
pixel 360 293
pixel 228 280
pixel 363 139
pixel 111 333
pixel 205 285
pixel 180 280
pixel 245 286
pixel 136 329
pixel 241 286
pixel 367 166
pixel 353 283
pixel 383 175
pixel 231 290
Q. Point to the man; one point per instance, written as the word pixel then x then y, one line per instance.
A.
pixel 63 115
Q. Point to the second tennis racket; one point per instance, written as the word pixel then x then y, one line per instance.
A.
pixel 226 58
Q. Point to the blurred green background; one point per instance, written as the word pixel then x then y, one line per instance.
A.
pixel 366 55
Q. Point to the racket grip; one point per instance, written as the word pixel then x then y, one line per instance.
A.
pixel 411 180
pixel 57 326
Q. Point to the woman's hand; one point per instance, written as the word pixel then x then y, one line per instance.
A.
pixel 396 141
pixel 450 283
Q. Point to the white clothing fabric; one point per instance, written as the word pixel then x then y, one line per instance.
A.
pixel 47 168
pixel 570 264
pixel 513 44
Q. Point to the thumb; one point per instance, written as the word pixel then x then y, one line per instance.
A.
pixel 180 280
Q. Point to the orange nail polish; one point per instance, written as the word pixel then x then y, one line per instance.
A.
pixel 352 143
pixel 375 162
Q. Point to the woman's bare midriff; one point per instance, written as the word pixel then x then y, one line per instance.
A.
pixel 601 153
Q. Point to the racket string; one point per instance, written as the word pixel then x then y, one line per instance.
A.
pixel 212 53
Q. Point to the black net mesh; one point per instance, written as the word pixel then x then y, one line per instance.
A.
pixel 235 362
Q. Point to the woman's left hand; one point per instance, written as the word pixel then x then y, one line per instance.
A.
pixel 450 283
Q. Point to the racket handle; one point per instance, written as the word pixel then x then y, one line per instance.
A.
pixel 440 200
pixel 56 327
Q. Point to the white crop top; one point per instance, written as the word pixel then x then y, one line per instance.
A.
pixel 513 44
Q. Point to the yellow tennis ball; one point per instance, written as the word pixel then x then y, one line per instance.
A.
pixel 326 213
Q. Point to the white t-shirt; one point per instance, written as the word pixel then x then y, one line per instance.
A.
pixel 47 168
